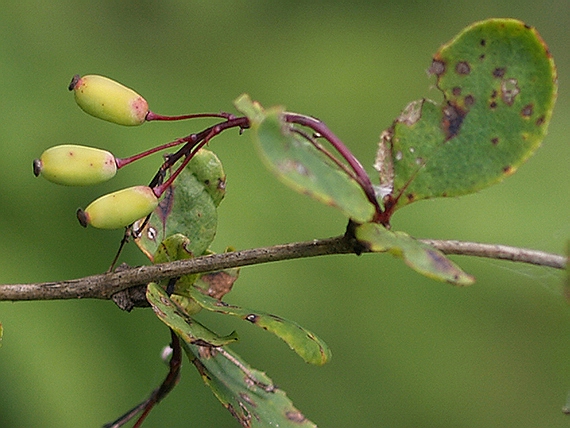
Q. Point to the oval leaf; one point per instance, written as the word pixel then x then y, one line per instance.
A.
pixel 188 207
pixel 499 85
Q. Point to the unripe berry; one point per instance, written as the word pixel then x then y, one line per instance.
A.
pixel 72 165
pixel 109 100
pixel 119 209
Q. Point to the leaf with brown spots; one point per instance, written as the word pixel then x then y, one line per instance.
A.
pixel 175 317
pixel 499 85
pixel 305 343
pixel 248 394
pixel 421 257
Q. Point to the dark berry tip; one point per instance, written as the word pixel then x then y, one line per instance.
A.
pixel 82 217
pixel 73 82
pixel 37 167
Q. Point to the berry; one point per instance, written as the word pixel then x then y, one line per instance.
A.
pixel 109 100
pixel 119 209
pixel 73 165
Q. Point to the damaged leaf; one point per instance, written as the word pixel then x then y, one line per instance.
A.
pixel 305 343
pixel 499 85
pixel 421 257
pixel 218 284
pixel 248 394
pixel 175 317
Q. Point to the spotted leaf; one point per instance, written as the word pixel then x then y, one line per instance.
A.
pixel 248 394
pixel 305 343
pixel 175 317
pixel 421 257
pixel 499 85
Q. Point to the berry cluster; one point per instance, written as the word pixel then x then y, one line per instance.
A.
pixel 106 99
pixel 74 165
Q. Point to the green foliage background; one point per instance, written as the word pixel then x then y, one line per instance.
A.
pixel 407 351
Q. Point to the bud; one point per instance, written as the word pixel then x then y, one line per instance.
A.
pixel 72 165
pixel 119 209
pixel 109 100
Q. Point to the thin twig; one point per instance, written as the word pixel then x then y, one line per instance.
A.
pixel 105 285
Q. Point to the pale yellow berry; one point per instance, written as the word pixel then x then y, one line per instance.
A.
pixel 73 165
pixel 109 100
pixel 119 209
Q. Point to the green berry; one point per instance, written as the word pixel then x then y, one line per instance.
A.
pixel 119 209
pixel 109 100
pixel 73 165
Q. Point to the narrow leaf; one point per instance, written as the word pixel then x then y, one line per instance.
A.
pixel 189 330
pixel 305 343
pixel 300 165
pixel 248 394
pixel 421 257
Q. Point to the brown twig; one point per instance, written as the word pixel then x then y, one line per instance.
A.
pixel 105 285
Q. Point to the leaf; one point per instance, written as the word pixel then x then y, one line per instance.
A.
pixel 499 85
pixel 305 343
pixel 219 283
pixel 421 257
pixel 188 207
pixel 299 164
pixel 189 330
pixel 173 248
pixel 248 394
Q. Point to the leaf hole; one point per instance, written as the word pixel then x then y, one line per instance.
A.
pixel 509 91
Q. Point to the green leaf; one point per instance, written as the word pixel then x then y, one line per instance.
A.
pixel 300 165
pixel 188 207
pixel 189 330
pixel 173 248
pixel 499 85
pixel 419 256
pixel 305 343
pixel 248 394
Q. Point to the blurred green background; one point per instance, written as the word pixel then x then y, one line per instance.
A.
pixel 407 351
